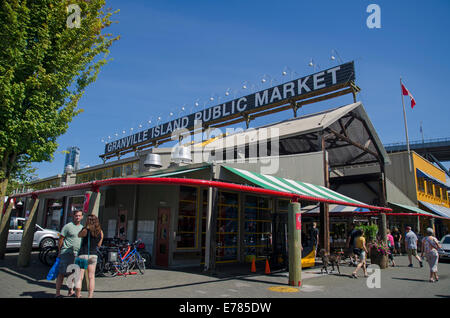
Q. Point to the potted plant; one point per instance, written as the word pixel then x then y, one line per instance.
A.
pixel 379 252
pixel 370 232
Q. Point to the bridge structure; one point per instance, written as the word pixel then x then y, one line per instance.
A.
pixel 434 150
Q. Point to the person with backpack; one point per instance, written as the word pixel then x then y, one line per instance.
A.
pixel 91 236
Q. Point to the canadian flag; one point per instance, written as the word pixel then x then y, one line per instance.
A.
pixel 405 92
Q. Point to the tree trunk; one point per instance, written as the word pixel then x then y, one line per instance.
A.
pixel 3 185
pixel 5 172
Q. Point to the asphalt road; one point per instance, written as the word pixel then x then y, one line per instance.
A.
pixel 234 281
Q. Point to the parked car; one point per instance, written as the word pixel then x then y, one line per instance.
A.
pixel 444 252
pixel 42 237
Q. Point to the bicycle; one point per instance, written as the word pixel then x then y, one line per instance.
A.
pixel 48 255
pixel 133 258
pixel 124 258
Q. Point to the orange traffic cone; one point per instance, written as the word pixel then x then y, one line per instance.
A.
pixel 267 271
pixel 253 270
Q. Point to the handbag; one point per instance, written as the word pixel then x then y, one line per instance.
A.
pixel 53 272
pixel 81 262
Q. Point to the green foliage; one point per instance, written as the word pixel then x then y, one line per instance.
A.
pixel 45 66
pixel 370 231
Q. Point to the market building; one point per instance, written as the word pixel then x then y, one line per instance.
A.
pixel 225 197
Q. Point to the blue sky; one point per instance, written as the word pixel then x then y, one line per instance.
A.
pixel 172 53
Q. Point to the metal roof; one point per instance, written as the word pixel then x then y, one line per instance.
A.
pixel 350 136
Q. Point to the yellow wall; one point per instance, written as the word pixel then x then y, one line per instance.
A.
pixel 423 188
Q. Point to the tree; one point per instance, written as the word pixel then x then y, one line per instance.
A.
pixel 50 51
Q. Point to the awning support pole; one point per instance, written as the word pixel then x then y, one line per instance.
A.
pixel 28 234
pixel 295 244
pixel 4 228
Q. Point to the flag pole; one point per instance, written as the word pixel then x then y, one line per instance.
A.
pixel 406 126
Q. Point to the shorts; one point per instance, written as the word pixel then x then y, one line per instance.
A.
pixel 412 252
pixel 362 256
pixel 92 259
pixel 65 259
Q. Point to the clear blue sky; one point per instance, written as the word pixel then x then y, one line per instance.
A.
pixel 174 52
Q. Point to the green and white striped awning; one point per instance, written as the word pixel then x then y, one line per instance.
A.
pixel 173 173
pixel 293 186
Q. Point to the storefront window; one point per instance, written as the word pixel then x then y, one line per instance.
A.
pixel 227 226
pixel 258 227
pixel 227 232
pixel 187 218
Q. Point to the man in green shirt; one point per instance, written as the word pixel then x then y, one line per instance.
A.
pixel 69 243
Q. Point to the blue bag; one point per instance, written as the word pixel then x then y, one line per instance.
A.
pixel 53 273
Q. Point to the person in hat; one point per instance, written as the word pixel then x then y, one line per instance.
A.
pixel 430 246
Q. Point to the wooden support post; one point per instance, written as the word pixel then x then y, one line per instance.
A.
pixel 208 230
pixel 383 229
pixel 94 203
pixel 28 235
pixel 4 229
pixel 324 215
pixel 432 225
pixel 295 244
pixel 210 263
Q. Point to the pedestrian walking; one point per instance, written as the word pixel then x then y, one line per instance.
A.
pixel 350 244
pixel 411 246
pixel 315 237
pixel 68 245
pixel 391 245
pixel 92 236
pixel 397 241
pixel 361 251
pixel 430 246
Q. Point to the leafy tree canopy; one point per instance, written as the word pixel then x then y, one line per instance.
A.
pixel 45 65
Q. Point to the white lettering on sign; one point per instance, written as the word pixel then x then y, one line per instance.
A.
pixel 341 74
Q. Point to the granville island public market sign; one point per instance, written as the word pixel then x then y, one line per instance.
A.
pixel 341 74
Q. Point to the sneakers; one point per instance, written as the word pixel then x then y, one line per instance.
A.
pixel 421 264
pixel 410 265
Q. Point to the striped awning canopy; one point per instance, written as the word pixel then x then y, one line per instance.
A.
pixel 337 209
pixel 296 187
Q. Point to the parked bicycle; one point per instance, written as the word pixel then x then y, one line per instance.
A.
pixel 123 258
pixel 48 255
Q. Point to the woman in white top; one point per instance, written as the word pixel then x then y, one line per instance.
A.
pixel 430 246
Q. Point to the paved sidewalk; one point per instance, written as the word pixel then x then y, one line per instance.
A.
pixel 233 281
